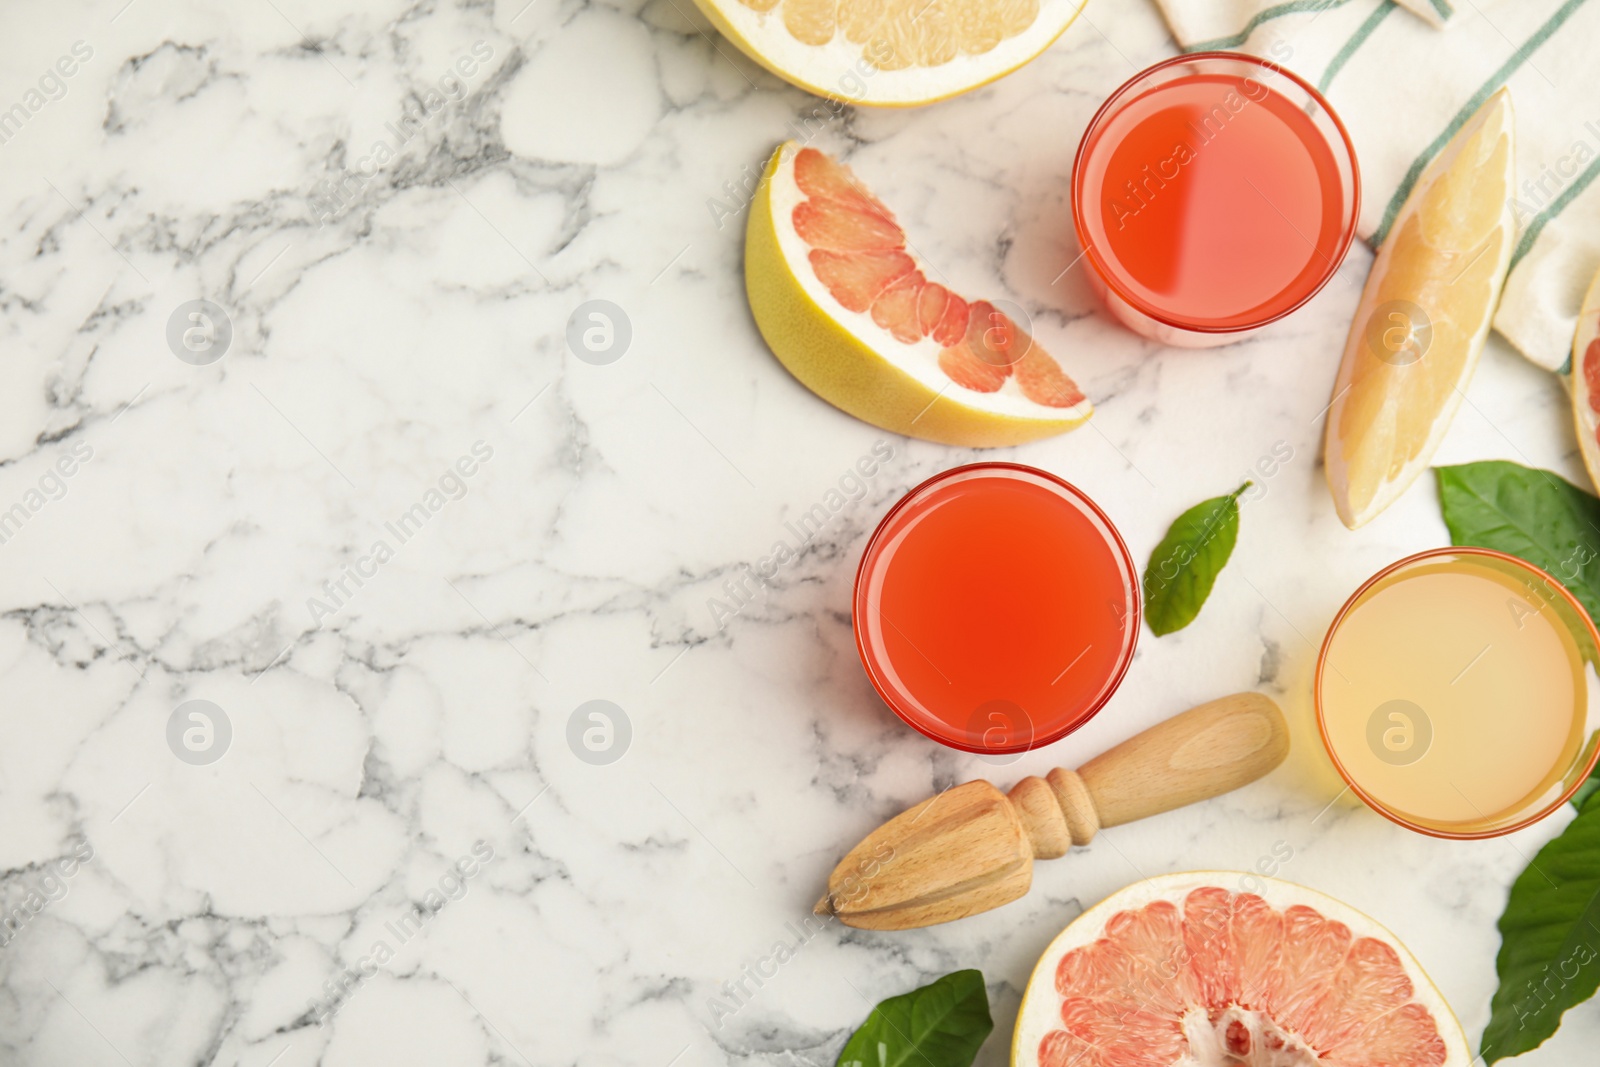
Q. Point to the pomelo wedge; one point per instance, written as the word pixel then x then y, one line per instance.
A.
pixel 891 53
pixel 1423 318
pixel 846 306
pixel 1189 970
pixel 1586 381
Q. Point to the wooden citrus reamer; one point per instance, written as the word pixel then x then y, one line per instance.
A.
pixel 971 848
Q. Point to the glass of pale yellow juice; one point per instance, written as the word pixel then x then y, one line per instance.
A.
pixel 1457 693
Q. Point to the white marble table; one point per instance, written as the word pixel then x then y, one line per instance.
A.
pixel 390 718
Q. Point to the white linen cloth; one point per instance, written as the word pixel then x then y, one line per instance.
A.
pixel 1405 74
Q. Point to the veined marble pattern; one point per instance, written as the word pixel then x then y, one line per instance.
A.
pixel 399 535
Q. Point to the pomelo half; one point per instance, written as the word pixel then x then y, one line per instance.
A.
pixel 1586 381
pixel 848 308
pixel 891 53
pixel 1189 970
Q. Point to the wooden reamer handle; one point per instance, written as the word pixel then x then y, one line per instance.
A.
pixel 1202 753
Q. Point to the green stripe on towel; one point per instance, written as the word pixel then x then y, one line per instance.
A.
pixel 1267 15
pixel 1554 208
pixel 1357 39
pixel 1497 79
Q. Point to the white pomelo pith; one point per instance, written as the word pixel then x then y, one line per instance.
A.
pixel 1191 970
pixel 852 312
pixel 891 53
pixel 1585 381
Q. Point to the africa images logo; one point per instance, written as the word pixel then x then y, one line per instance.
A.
pixel 450 486
pixel 50 87
pixel 333 196
pixel 449 887
pixel 851 485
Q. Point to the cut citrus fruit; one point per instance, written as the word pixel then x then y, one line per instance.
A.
pixel 891 53
pixel 851 312
pixel 1184 970
pixel 1423 318
pixel 1586 381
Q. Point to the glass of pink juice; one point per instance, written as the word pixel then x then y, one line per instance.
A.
pixel 996 608
pixel 1213 193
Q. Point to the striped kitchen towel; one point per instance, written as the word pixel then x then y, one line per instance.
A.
pixel 1405 74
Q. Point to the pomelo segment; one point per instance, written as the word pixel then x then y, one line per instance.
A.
pixel 1585 381
pixel 1191 970
pixel 851 312
pixel 891 53
pixel 1424 315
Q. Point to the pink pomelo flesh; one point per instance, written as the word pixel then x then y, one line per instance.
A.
pixel 858 252
pixel 1211 977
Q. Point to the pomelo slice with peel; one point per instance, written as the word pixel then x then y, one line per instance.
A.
pixel 1586 381
pixel 847 307
pixel 1423 318
pixel 892 53
pixel 1192 970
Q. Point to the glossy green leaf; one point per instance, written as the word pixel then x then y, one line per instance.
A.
pixel 1589 788
pixel 1531 514
pixel 942 1024
pixel 1549 957
pixel 1184 566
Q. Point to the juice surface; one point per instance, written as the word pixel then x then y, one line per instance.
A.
pixel 1455 695
pixel 1212 200
pixel 994 611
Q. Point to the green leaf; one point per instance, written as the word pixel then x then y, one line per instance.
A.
pixel 1589 788
pixel 940 1025
pixel 1185 564
pixel 1549 955
pixel 1591 784
pixel 1532 514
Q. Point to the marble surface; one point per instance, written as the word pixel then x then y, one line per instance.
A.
pixel 208 529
